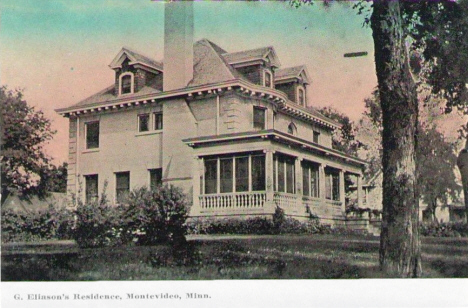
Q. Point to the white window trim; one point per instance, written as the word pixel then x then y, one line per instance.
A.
pixel 153 119
pixel 294 126
pixel 271 78
pixel 132 82
pixel 303 103
pixel 86 136
pixel 138 122
pixel 265 118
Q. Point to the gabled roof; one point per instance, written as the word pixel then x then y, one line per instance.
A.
pixel 252 55
pixel 135 58
pixel 292 72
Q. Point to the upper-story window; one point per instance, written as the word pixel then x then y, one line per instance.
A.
pixel 259 118
pixel 126 83
pixel 143 122
pixel 301 98
pixel 292 129
pixel 92 135
pixel 316 137
pixel 268 79
pixel 158 120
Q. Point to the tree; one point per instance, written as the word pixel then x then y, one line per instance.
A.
pixel 393 24
pixel 436 161
pixel 344 140
pixel 53 178
pixel 24 133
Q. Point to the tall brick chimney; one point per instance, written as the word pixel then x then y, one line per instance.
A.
pixel 178 44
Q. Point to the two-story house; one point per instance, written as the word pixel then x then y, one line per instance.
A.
pixel 232 129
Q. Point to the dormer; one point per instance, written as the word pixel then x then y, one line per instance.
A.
pixel 293 81
pixel 256 65
pixel 134 71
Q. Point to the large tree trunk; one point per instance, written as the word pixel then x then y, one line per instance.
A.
pixel 462 163
pixel 400 254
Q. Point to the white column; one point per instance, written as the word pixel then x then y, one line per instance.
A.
pixel 322 193
pixel 196 182
pixel 269 203
pixel 359 191
pixel 342 191
pixel 298 182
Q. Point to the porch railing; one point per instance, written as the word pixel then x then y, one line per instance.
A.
pixel 240 200
pixel 284 200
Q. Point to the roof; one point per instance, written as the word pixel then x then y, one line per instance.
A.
pixel 292 72
pixel 252 55
pixel 135 57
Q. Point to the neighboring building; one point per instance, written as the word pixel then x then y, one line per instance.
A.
pixel 231 128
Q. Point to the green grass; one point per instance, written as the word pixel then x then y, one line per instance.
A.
pixel 238 257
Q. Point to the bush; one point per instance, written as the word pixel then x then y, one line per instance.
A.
pixel 157 216
pixel 35 226
pixel 451 229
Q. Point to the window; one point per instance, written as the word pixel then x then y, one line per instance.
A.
pixel 310 179
pixel 284 174
pixel 316 137
pixel 155 177
pixel 332 185
pixel 236 174
pixel 92 135
pixel 158 121
pixel 126 81
pixel 268 82
pixel 301 96
pixel 122 185
pixel 292 129
pixel 259 118
pixel 91 182
pixel 143 122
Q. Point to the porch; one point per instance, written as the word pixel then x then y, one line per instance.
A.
pixel 256 182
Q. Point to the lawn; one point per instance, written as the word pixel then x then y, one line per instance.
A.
pixel 236 257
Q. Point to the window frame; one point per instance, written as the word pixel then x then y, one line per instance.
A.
pixel 316 136
pixel 255 123
pixel 132 83
pixel 87 143
pixel 280 170
pixel 148 124
pixel 292 129
pixel 117 195
pixel 304 98
pixel 217 187
pixel 152 172
pixel 87 195
pixel 265 73
pixel 155 122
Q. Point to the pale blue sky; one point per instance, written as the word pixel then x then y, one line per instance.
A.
pixel 59 50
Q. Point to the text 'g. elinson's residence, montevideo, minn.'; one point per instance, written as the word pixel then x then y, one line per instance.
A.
pixel 232 129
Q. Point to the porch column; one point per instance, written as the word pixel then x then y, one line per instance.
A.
pixel 269 202
pixel 342 192
pixel 196 174
pixel 299 186
pixel 359 191
pixel 322 186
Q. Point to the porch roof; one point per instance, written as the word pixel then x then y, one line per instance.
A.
pixel 277 136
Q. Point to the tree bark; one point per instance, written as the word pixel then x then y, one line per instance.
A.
pixel 462 163
pixel 400 252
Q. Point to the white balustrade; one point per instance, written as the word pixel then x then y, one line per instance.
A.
pixel 285 201
pixel 238 200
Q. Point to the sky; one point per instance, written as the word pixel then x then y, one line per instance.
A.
pixel 58 51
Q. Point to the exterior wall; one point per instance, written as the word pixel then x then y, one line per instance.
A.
pixel 121 148
pixel 253 73
pixel 304 129
pixel 289 89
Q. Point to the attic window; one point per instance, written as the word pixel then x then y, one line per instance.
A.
pixel 301 96
pixel 126 83
pixel 268 82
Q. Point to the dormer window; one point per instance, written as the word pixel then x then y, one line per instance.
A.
pixel 126 83
pixel 301 99
pixel 268 79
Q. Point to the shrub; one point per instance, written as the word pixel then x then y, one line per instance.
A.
pixel 451 229
pixel 158 215
pixel 48 224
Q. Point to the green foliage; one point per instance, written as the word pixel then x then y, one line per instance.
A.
pixel 451 229
pixel 35 226
pixel 343 140
pixel 25 168
pixel 158 215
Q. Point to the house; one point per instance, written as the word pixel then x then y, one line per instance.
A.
pixel 232 129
